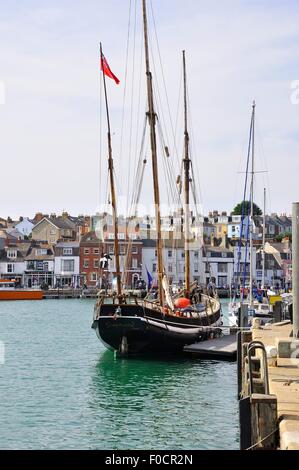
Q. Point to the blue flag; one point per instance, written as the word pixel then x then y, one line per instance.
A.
pixel 149 278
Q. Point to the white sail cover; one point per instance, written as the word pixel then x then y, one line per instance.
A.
pixel 166 289
pixel 269 249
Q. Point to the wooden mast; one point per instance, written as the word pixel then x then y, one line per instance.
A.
pixel 186 162
pixel 152 123
pixel 112 189
pixel 251 209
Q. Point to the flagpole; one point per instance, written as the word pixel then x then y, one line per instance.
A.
pixel 112 187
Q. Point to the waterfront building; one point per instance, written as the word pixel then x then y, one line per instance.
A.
pixel 39 269
pixel 67 264
pixel 92 249
pixel 278 264
pixel 174 261
pixel 219 263
pixel 242 264
pixel 13 261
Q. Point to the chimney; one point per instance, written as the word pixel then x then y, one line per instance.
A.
pixel 64 215
pixel 224 242
pixel 38 217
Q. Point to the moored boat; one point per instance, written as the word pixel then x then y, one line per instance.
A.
pixel 139 326
pixel 8 291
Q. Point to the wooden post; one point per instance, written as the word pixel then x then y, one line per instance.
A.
pixel 263 421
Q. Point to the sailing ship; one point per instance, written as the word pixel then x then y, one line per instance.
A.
pixel 164 325
pixel 256 308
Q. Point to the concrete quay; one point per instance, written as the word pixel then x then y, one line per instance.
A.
pixel 268 366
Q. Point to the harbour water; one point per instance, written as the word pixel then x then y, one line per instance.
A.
pixel 61 389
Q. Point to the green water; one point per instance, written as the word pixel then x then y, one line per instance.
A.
pixel 61 389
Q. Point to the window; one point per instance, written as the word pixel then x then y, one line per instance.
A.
pixel 10 268
pixel 121 236
pixel 68 265
pixel 67 251
pixel 133 236
pixel 224 255
pixel 85 263
pixel 111 236
pixel 122 250
pixel 11 254
pixel 196 267
pixel 53 231
pixel 222 281
pixel 96 251
pixel 111 250
pixel 45 266
pixel 196 254
pixel 96 263
pixel 134 249
pixel 169 253
pixel 222 267
pixel 41 251
pixel 39 266
pixel 134 263
pixel 183 255
pixel 86 251
pixel 154 268
pixel 170 268
pixel 93 276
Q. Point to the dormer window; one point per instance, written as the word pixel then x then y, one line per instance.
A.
pixel 41 251
pixel 11 254
pixel 67 251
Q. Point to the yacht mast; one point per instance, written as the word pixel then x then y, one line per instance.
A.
pixel 186 162
pixel 264 235
pixel 152 123
pixel 112 189
pixel 251 208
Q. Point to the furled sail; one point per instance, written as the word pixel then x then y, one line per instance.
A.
pixel 166 289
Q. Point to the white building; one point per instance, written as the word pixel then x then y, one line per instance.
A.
pixel 67 264
pixel 12 263
pixel 25 227
pixel 219 265
pixel 174 261
pixel 242 264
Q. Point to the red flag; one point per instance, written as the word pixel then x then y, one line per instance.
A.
pixel 106 69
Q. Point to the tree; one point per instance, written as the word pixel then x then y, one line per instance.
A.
pixel 244 208
pixel 280 237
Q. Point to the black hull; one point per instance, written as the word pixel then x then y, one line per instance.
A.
pixel 146 331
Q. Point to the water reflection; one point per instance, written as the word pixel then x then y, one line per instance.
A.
pixel 144 401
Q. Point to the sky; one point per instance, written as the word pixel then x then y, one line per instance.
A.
pixel 52 136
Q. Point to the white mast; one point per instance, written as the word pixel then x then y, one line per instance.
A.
pixel 264 235
pixel 251 210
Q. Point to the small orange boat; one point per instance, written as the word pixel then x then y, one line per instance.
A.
pixel 8 291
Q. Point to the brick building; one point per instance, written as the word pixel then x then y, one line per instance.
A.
pixel 92 249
